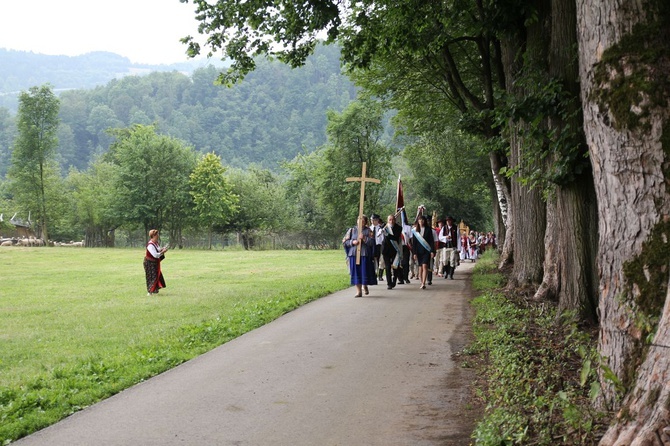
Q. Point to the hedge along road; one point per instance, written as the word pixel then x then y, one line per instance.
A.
pixel 375 370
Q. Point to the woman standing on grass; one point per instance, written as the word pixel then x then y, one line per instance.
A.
pixel 363 274
pixel 152 263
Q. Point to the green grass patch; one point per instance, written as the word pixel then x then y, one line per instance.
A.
pixel 538 369
pixel 77 326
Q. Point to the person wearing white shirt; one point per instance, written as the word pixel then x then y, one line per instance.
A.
pixel 379 239
pixel 449 236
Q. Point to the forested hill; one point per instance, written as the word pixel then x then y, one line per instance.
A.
pixel 269 117
pixel 20 70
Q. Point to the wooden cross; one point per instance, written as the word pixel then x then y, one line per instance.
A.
pixel 362 179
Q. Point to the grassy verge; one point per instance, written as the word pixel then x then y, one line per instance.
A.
pixel 538 369
pixel 76 325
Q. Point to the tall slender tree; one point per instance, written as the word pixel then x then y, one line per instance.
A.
pixel 212 194
pixel 34 167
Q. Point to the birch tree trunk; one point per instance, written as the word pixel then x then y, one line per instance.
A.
pixel 504 230
pixel 624 93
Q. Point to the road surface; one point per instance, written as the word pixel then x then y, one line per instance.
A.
pixel 375 370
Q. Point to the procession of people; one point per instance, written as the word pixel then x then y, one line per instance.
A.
pixel 395 252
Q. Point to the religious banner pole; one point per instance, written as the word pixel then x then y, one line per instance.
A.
pixel 362 179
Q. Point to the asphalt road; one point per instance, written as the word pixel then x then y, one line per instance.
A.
pixel 375 370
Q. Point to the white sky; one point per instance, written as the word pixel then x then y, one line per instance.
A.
pixel 145 31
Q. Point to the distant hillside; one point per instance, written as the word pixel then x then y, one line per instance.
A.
pixel 274 114
pixel 20 70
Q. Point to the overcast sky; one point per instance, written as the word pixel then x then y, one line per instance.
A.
pixel 145 31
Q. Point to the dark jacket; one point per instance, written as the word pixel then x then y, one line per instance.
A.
pixel 453 231
pixel 417 247
pixel 387 247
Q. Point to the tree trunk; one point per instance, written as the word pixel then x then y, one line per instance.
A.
pixel 504 230
pixel 577 238
pixel 527 210
pixel 499 221
pixel 550 286
pixel 571 236
pixel 648 420
pixel 624 130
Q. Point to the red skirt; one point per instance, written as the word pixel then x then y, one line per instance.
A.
pixel 154 276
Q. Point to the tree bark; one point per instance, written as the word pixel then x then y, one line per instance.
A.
pixel 527 209
pixel 648 409
pixel 577 237
pixel 550 286
pixel 631 180
pixel 571 242
pixel 504 230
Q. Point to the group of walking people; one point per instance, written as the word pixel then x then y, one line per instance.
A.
pixel 399 250
pixel 475 244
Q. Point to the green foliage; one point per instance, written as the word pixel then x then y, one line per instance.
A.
pixel 303 192
pixel 354 137
pixel 539 370
pixel 152 185
pixel 19 70
pixel 214 201
pixel 267 119
pixel 33 171
pixel 450 175
pixel 91 198
pixel 263 206
pixel 7 135
pixel 554 150
pixel 252 28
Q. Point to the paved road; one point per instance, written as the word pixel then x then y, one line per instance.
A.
pixel 376 370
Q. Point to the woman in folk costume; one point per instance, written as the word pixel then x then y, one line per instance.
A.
pixel 423 248
pixel 465 246
pixel 152 263
pixel 362 274
pixel 472 244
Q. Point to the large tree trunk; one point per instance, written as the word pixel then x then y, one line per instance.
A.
pixel 624 130
pixel 576 216
pixel 528 209
pixel 528 212
pixel 577 237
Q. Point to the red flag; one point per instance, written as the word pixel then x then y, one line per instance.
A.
pixel 400 207
pixel 400 199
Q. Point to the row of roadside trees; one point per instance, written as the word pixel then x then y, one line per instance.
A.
pixel 570 97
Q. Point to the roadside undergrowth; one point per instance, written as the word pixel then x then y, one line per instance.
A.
pixel 538 370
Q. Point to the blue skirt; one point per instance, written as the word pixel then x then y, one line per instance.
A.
pixel 363 274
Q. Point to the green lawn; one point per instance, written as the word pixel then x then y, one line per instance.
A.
pixel 76 325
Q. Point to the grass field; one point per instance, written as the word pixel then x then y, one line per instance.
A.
pixel 76 325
